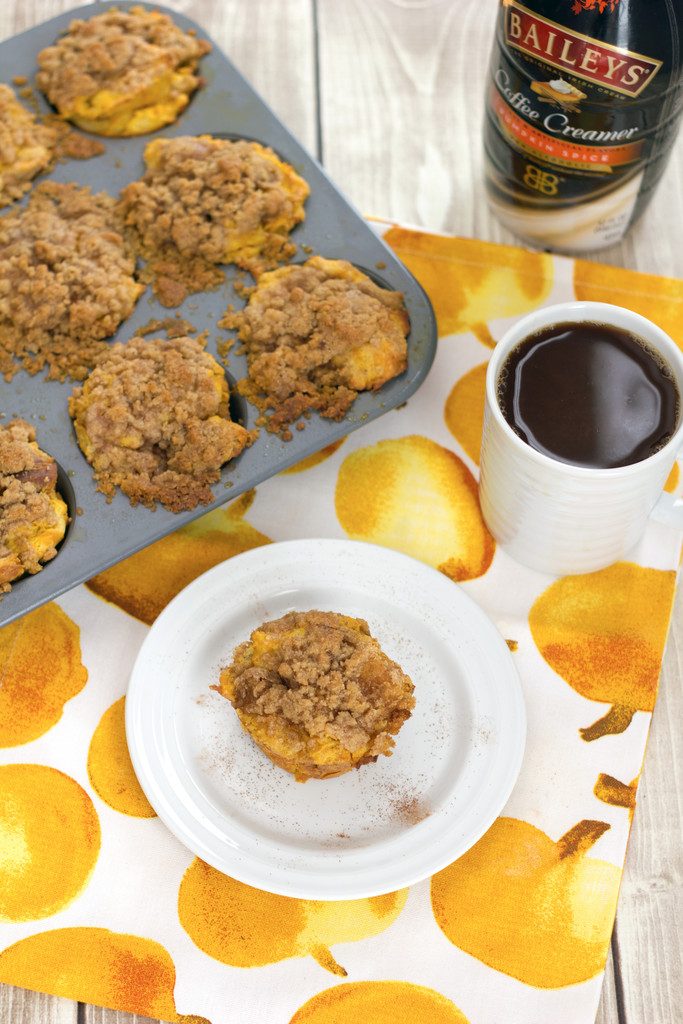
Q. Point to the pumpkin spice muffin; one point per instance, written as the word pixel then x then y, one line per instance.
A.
pixel 206 201
pixel 33 516
pixel 152 418
pixel 317 694
pixel 27 147
pixel 315 335
pixel 66 281
pixel 121 73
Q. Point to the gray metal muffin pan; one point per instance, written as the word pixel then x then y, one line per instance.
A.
pixel 102 534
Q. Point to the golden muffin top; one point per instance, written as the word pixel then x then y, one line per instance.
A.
pixel 119 62
pixel 27 147
pixel 33 517
pixel 152 418
pixel 315 335
pixel 66 281
pixel 205 201
pixel 323 674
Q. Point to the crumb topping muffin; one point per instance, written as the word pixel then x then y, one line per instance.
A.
pixel 317 694
pixel 33 516
pixel 152 418
pixel 27 147
pixel 315 335
pixel 121 73
pixel 66 281
pixel 206 201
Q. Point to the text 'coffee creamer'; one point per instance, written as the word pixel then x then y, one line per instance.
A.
pixel 583 105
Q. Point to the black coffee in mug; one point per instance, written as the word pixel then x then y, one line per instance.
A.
pixel 589 394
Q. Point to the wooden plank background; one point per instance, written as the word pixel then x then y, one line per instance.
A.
pixel 389 94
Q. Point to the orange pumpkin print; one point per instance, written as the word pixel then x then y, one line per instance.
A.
pixel 94 965
pixel 379 1002
pixel 49 841
pixel 464 410
pixel 110 768
pixel 40 670
pixel 660 299
pixel 143 584
pixel 471 282
pixel 246 927
pixel 417 497
pixel 593 631
pixel 617 794
pixel 537 910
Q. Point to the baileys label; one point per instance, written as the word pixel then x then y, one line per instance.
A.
pixel 611 66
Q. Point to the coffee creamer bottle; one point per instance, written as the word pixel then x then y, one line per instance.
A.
pixel 583 106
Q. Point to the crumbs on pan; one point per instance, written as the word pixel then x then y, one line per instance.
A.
pixel 172 326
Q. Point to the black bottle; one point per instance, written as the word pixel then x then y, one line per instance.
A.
pixel 583 106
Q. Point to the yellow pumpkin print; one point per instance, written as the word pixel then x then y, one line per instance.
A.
pixel 110 768
pixel 49 841
pixel 464 410
pixel 40 670
pixel 316 458
pixel 379 1002
pixel 246 927
pixel 471 282
pixel 593 632
pixel 94 965
pixel 413 495
pixel 143 584
pixel 660 299
pixel 537 910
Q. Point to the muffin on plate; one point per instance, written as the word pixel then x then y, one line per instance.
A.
pixel 27 147
pixel 121 73
pixel 206 201
pixel 66 281
pixel 317 694
pixel 315 335
pixel 33 515
pixel 153 419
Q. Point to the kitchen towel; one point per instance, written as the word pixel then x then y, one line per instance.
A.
pixel 99 902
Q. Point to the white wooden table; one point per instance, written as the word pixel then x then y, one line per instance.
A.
pixel 388 93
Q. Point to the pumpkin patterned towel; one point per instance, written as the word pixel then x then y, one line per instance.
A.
pixel 98 902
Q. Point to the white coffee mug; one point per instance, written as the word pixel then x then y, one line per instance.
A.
pixel 564 519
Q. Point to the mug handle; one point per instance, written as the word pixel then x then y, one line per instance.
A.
pixel 669 510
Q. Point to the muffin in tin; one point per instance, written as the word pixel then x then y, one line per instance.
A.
pixel 315 335
pixel 121 73
pixel 153 419
pixel 66 281
pixel 317 694
pixel 27 147
pixel 33 515
pixel 205 201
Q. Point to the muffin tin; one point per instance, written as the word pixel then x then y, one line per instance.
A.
pixel 101 534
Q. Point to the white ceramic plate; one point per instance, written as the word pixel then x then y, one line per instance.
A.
pixel 370 831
